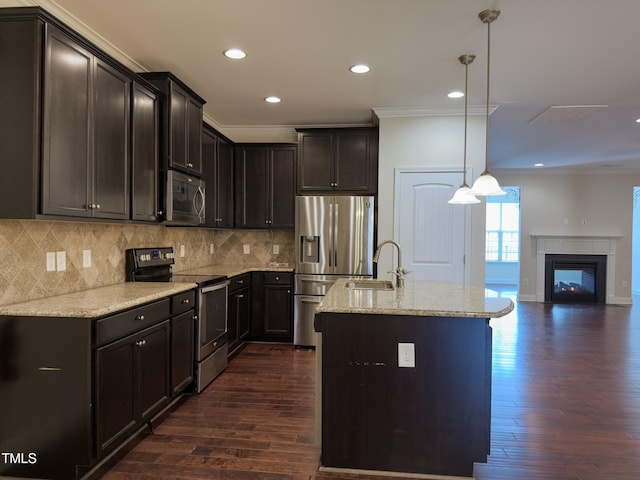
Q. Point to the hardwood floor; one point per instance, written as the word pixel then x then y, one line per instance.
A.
pixel 566 406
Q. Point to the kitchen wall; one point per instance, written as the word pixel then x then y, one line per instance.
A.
pixel 25 243
pixel 430 141
pixel 604 201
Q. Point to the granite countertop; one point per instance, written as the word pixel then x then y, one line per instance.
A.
pixel 96 302
pixel 418 298
pixel 233 270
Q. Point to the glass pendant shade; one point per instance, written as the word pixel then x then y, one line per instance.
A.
pixel 486 185
pixel 463 196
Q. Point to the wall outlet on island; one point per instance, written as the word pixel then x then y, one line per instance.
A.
pixel 406 355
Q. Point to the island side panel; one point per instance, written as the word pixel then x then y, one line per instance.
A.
pixel 433 418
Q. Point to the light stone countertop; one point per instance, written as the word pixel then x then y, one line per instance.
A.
pixel 236 269
pixel 96 302
pixel 417 298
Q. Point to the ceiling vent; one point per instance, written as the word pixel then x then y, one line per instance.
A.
pixel 566 113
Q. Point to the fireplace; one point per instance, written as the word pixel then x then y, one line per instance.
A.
pixel 573 278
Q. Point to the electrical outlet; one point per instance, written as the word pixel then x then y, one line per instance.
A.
pixel 211 248
pixel 525 281
pixel 584 221
pixel 566 221
pixel 182 251
pixel 51 261
pixel 276 249
pixel 625 284
pixel 406 355
pixel 61 261
pixel 86 259
pixel 246 249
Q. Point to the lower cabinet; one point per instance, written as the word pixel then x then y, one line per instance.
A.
pixel 239 310
pixel 183 340
pixel 272 317
pixel 132 383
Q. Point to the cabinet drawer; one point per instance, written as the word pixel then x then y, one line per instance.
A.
pixel 277 278
pixel 121 324
pixel 183 302
pixel 238 282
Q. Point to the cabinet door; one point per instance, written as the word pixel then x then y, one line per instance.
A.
pixel 153 367
pixel 144 158
pixel 66 127
pixel 178 127
pixel 252 177
pixel 116 386
pixel 182 351
pixel 209 172
pixel 277 310
pixel 354 171
pixel 111 110
pixel 282 187
pixel 315 166
pixel 194 136
pixel 224 184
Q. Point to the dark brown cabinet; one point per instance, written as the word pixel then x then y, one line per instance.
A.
pixel 265 185
pixel 85 132
pixel 217 168
pixel 338 160
pixel 132 383
pixel 144 154
pixel 239 310
pixel 272 306
pixel 182 342
pixel 181 123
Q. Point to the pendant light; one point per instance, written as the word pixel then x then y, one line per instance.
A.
pixel 486 184
pixel 462 195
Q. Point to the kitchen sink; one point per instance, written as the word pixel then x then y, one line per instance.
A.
pixel 369 285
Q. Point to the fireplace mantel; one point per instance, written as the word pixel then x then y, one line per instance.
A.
pixel 578 244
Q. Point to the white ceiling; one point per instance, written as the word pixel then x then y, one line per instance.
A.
pixel 544 53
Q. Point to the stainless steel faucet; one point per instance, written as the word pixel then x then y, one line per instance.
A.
pixel 400 272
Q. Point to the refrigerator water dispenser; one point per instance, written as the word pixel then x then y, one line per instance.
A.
pixel 309 249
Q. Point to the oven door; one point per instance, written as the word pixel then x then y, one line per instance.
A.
pixel 212 318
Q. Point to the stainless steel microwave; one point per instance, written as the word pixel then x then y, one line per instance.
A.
pixel 185 199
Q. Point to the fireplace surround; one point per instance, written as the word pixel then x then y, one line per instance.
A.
pixel 605 245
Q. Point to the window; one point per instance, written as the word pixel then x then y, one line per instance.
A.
pixel 503 227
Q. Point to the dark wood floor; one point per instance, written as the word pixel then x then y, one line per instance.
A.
pixel 566 405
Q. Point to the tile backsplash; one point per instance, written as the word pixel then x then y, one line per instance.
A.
pixel 25 243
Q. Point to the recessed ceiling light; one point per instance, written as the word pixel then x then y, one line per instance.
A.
pixel 272 99
pixel 359 68
pixel 455 94
pixel 235 53
pixel 538 164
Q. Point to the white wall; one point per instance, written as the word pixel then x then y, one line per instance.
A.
pixel 434 141
pixel 605 202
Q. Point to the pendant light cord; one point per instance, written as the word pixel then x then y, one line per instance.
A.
pixel 486 122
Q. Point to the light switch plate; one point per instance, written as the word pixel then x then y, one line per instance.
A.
pixel 182 253
pixel 246 249
pixel 276 249
pixel 211 248
pixel 406 355
pixel 86 259
pixel 61 261
pixel 51 261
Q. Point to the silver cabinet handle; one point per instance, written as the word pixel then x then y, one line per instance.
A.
pixel 240 296
pixel 189 164
pixel 139 317
pixel 186 300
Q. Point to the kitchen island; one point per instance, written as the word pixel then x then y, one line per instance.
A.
pixel 405 376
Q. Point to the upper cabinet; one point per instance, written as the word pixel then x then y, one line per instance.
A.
pixel 338 160
pixel 181 123
pixel 144 154
pixel 65 124
pixel 217 168
pixel 265 185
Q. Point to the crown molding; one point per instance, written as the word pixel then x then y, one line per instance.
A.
pixel 400 112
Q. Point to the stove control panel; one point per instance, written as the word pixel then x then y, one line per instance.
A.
pixel 149 257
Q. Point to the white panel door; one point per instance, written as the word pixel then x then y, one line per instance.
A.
pixel 432 233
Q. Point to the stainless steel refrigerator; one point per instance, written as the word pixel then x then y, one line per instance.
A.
pixel 334 238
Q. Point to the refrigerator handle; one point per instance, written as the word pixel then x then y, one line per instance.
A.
pixel 331 228
pixel 335 235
